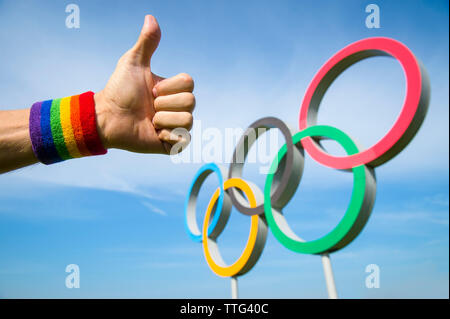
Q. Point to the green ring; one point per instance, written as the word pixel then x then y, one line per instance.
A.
pixel 358 211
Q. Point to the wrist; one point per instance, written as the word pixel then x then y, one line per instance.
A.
pixel 101 114
pixel 66 128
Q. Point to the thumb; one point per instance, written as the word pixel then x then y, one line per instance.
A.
pixel 148 40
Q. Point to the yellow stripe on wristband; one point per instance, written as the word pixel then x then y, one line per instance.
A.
pixel 66 124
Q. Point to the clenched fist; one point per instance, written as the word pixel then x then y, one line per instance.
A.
pixel 137 109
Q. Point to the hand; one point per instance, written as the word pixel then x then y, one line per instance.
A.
pixel 137 110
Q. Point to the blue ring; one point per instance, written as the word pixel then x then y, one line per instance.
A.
pixel 203 173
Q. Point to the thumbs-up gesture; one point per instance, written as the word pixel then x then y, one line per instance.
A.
pixel 137 109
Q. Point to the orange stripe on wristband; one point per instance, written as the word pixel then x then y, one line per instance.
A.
pixel 76 125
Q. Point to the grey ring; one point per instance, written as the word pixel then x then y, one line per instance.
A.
pixel 288 173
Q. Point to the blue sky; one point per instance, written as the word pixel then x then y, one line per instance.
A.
pixel 120 217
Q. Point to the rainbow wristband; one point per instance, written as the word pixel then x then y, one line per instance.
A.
pixel 66 128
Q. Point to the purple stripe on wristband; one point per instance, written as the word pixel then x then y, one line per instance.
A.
pixel 35 129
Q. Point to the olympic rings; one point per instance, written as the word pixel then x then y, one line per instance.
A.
pixel 354 220
pixel 287 167
pixel 256 239
pixel 407 124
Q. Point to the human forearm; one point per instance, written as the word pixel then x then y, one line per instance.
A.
pixel 15 143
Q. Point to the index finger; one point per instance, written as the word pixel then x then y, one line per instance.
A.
pixel 179 83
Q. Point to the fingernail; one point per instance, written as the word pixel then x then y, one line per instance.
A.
pixel 155 92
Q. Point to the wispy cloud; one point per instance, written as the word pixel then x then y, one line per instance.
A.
pixel 95 176
pixel 440 218
pixel 153 208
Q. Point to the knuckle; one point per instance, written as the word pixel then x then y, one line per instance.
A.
pixel 157 104
pixel 189 119
pixel 190 100
pixel 163 134
pixel 187 80
pixel 156 119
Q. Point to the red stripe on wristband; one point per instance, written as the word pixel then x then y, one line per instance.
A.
pixel 89 124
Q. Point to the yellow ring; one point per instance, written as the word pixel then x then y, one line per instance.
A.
pixel 219 267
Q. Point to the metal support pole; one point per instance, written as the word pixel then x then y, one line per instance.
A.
pixel 329 278
pixel 234 288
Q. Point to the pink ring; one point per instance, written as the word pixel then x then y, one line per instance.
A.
pixel 405 127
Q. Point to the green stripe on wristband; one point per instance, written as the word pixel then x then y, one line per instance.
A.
pixel 57 132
